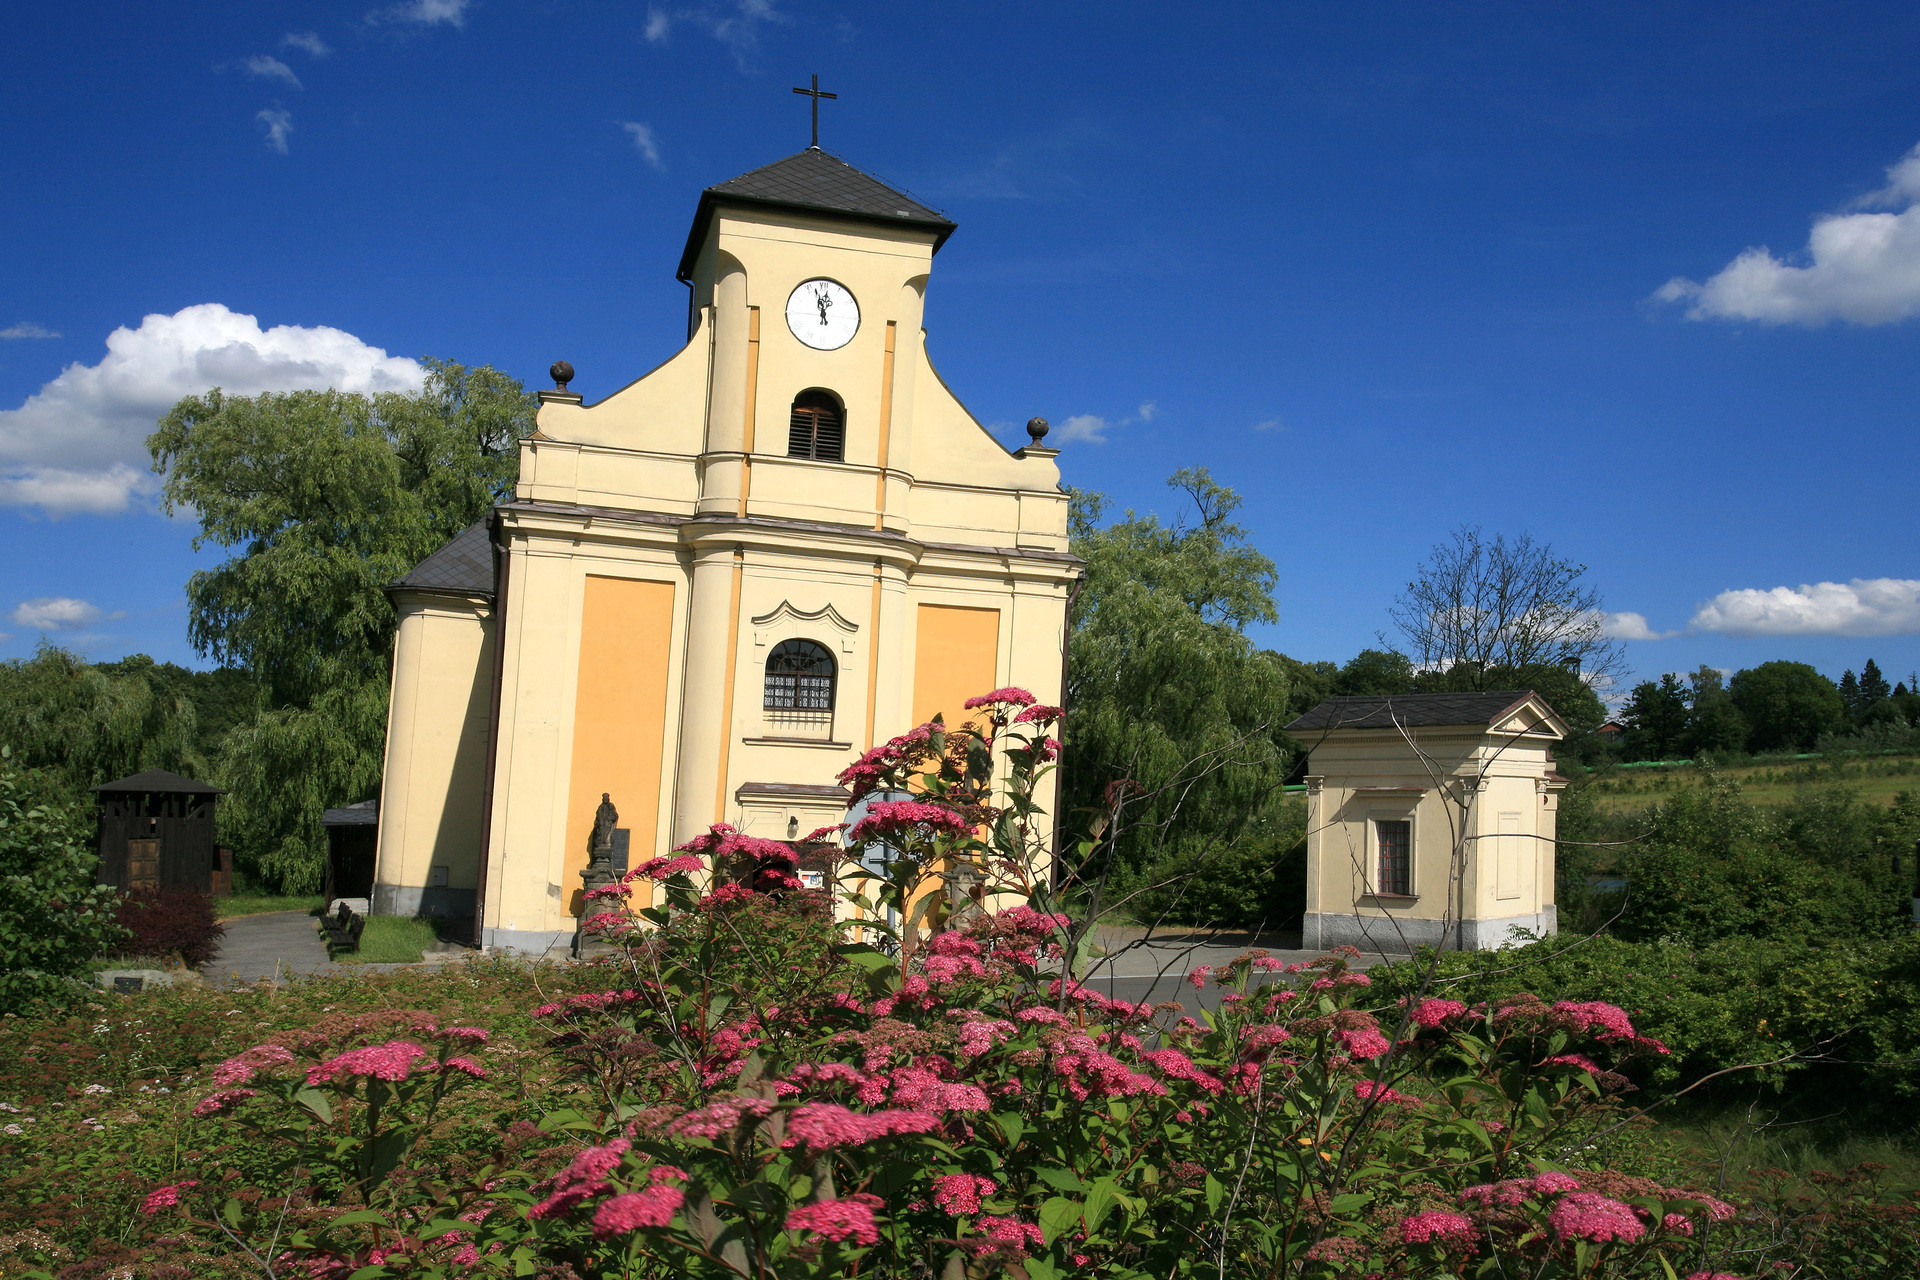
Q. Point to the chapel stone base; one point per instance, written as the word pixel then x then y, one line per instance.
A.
pixel 1401 935
pixel 428 901
pixel 535 943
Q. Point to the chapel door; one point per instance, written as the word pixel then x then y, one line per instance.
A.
pixel 143 866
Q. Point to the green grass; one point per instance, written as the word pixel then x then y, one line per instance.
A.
pixel 390 940
pixel 1766 783
pixel 257 904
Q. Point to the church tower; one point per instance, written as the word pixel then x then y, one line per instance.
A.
pixel 718 586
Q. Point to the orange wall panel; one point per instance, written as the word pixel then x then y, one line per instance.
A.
pixel 620 715
pixel 956 655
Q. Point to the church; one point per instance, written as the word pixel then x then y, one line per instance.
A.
pixel 717 587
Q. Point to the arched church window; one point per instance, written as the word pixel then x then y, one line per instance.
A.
pixel 800 677
pixel 817 428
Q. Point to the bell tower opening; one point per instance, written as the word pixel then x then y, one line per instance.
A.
pixel 817 428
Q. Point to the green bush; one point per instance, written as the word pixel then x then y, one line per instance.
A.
pixel 53 917
pixel 1258 881
pixel 1840 1015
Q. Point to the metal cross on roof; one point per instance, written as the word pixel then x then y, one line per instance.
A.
pixel 816 94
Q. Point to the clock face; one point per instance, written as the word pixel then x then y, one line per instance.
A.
pixel 823 315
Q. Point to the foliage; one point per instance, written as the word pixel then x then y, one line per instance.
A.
pixel 53 917
pixel 390 940
pixel 1715 723
pixel 172 922
pixel 1482 611
pixel 1656 718
pixel 1709 866
pixel 331 497
pixel 86 724
pixel 1840 1020
pixel 1787 705
pixel 1168 695
pixel 1258 884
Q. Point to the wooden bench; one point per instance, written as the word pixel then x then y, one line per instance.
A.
pixel 343 928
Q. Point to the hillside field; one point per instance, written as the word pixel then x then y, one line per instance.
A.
pixel 1763 782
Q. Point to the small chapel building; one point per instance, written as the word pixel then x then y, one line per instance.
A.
pixel 1431 820
pixel 716 587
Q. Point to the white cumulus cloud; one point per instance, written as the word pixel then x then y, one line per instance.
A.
pixel 278 125
pixel 1859 267
pixel 307 41
pixel 736 25
pixel 268 67
pixel 427 13
pixel 1631 626
pixel 1862 607
pixel 644 142
pixel 1087 428
pixel 27 329
pixel 79 443
pixel 58 613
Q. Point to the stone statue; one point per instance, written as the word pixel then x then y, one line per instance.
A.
pixel 605 819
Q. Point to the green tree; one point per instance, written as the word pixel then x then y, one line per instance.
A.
pixel 1656 719
pixel 329 498
pixel 1375 672
pixel 80 724
pixel 1787 705
pixel 53 916
pixel 1165 691
pixel 1714 724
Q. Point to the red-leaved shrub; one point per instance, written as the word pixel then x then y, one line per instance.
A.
pixel 171 922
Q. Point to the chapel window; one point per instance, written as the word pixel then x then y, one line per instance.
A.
pixel 800 677
pixel 817 428
pixel 1396 858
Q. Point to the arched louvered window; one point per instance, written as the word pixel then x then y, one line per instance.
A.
pixel 818 427
pixel 800 677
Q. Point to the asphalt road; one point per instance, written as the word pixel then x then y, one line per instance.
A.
pixel 1154 967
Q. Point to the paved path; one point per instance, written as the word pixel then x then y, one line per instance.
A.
pixel 1138 967
pixel 277 944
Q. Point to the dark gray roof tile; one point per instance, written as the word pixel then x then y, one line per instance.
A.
pixel 464 565
pixel 814 179
pixel 1413 710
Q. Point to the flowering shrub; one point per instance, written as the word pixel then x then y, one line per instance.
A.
pixel 171 922
pixel 773 1095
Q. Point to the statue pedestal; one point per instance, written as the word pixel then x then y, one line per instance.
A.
pixel 599 874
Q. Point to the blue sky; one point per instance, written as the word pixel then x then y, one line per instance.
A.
pixel 1385 268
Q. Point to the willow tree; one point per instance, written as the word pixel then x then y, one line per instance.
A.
pixel 1171 708
pixel 327 498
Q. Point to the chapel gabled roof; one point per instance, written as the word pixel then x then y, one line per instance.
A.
pixel 1422 710
pixel 817 181
pixel 464 566
pixel 160 780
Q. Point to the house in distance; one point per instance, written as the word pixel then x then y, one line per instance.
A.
pixel 1431 820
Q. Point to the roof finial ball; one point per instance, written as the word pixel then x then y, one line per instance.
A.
pixel 562 374
pixel 1037 428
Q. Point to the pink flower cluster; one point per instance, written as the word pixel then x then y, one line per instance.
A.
pixel 866 773
pixel 1178 1066
pixel 1579 1060
pixel 850 1218
pixel 165 1197
pixel 1009 696
pixel 222 1100
pixel 889 817
pixel 1010 1235
pixel 977 1035
pixel 1088 1071
pixel 1588 1215
pixel 719 1117
pixel 588 1002
pixel 1039 713
pixel 1596 1018
pixel 662 868
pixel 1506 1195
pixel 392 1061
pixel 582 1179
pixel 1432 1013
pixel 1363 1043
pixel 822 1126
pixel 1367 1090
pixel 959 1193
pixel 241 1068
pixel 632 1210
pixel 1439 1227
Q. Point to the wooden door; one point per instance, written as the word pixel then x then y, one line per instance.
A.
pixel 143 866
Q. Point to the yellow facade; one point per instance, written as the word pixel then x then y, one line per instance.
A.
pixel 662 544
pixel 1480 802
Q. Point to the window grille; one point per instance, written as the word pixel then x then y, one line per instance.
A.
pixel 800 677
pixel 1396 858
pixel 817 427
